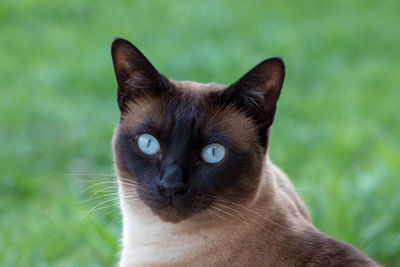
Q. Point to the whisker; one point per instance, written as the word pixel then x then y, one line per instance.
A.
pixel 216 214
pixel 246 208
pixel 129 180
pixel 116 206
pixel 224 211
pixel 105 195
pixel 124 183
pixel 223 206
pixel 104 207
pixel 246 217
pixel 101 183
pixel 100 204
pixel 104 190
pixel 90 174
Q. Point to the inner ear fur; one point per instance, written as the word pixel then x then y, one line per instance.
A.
pixel 135 75
pixel 256 93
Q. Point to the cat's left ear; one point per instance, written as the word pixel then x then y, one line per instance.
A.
pixel 257 92
pixel 135 75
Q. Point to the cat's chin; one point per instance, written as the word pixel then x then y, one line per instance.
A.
pixel 170 214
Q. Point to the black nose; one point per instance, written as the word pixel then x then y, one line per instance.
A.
pixel 171 184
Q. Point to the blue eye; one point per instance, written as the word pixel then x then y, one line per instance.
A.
pixel 148 144
pixel 213 153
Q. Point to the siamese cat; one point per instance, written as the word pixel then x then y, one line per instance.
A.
pixel 196 185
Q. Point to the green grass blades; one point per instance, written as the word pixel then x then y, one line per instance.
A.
pixel 336 133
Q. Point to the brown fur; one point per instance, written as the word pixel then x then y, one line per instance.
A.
pixel 255 219
pixel 274 229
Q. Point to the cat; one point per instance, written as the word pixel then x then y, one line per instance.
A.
pixel 196 185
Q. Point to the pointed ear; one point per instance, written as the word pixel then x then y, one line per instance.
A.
pixel 135 75
pixel 257 93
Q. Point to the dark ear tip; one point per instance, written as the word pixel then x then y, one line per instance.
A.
pixel 120 42
pixel 276 61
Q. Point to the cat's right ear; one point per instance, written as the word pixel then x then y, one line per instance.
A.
pixel 256 94
pixel 135 75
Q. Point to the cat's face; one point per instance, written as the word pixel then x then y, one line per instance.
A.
pixel 179 146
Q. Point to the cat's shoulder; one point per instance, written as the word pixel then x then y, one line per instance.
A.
pixel 318 249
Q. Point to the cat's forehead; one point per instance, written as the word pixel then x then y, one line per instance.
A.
pixel 187 101
pixel 188 112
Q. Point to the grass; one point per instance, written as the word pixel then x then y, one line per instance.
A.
pixel 336 132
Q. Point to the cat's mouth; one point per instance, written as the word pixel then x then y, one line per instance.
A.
pixel 171 201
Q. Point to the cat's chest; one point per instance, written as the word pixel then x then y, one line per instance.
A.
pixel 144 249
pixel 154 244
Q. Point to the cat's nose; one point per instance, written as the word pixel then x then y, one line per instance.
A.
pixel 171 184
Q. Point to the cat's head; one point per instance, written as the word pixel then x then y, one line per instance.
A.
pixel 180 146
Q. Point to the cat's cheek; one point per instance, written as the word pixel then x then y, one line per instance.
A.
pixel 240 180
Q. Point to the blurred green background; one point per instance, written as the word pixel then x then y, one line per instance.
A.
pixel 336 133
